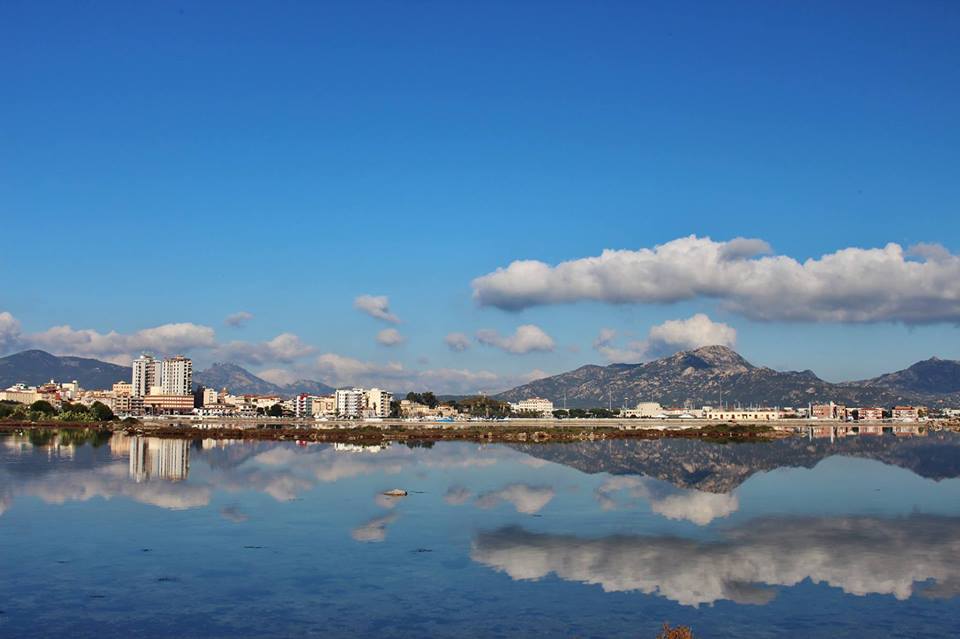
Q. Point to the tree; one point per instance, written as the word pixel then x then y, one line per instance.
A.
pixel 275 411
pixel 43 406
pixel 67 407
pixel 101 412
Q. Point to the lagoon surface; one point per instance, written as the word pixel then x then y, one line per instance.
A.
pixel 807 537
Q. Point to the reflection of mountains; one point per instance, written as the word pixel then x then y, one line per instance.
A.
pixel 861 555
pixel 720 468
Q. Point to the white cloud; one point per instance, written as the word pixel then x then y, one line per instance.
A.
pixel 119 347
pixel 859 555
pixel 526 339
pixel 525 499
pixel 285 347
pixel 9 332
pixel 693 332
pixel 339 370
pixel 238 319
pixel 166 339
pixel 390 337
pixel 604 338
pixel 279 376
pixel 666 339
pixel 457 342
pixel 377 306
pixel 849 285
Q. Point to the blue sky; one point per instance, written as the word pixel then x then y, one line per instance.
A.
pixel 167 165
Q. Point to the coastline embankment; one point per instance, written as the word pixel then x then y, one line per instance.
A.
pixel 480 431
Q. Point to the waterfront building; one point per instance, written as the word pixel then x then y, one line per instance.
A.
pixel 828 411
pixel 146 374
pixel 163 404
pixel 20 393
pixel 643 409
pixel 906 413
pixel 324 405
pixel 177 376
pixel 303 405
pixel 126 405
pixel 416 410
pixel 538 405
pixel 350 402
pixel 122 388
pixel 377 401
pixel 210 397
pixel 743 414
pixel 869 414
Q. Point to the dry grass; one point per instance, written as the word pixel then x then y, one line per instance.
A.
pixel 679 632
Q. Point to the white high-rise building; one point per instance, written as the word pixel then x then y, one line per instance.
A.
pixel 177 376
pixel 379 401
pixel 146 373
pixel 350 402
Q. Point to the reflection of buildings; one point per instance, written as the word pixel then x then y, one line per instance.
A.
pixel 358 448
pixel 834 432
pixel 156 458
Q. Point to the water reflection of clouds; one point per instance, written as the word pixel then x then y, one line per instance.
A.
pixel 282 471
pixel 524 498
pixel 457 495
pixel 860 555
pixel 107 482
pixel 666 499
pixel 375 530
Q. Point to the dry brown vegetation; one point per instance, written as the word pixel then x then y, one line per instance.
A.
pixel 679 632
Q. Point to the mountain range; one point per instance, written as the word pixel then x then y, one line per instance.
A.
pixel 37 367
pixel 241 381
pixel 704 375
pixel 698 376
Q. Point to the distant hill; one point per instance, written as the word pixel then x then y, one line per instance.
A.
pixel 932 376
pixel 700 376
pixel 37 367
pixel 242 382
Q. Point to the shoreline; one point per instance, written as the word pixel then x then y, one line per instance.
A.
pixel 383 432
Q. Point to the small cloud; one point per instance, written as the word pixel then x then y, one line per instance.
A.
pixel 234 514
pixel 526 339
pixel 238 319
pixel 375 530
pixel 667 338
pixel 376 306
pixel 605 338
pixel 457 496
pixel 457 342
pixel 525 499
pixel 390 337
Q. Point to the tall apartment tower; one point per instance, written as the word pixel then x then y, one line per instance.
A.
pixel 177 376
pixel 350 402
pixel 146 373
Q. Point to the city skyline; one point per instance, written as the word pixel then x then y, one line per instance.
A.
pixel 443 199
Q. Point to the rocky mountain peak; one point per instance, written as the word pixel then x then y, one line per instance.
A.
pixel 715 357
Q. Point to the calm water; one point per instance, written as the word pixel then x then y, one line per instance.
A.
pixel 140 537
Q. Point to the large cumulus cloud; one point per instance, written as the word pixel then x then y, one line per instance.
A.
pixel 849 285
